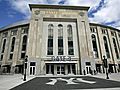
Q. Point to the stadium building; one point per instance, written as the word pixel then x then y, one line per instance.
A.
pixel 58 39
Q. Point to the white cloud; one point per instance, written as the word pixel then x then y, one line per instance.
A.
pixel 109 13
pixel 83 2
pixel 23 5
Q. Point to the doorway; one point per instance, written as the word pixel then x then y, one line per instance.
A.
pixel 60 69
pixel 88 69
pixel 32 68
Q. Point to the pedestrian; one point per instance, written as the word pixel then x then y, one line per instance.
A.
pixel 95 72
pixel 84 72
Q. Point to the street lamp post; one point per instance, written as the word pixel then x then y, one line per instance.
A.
pixel 25 67
pixel 105 64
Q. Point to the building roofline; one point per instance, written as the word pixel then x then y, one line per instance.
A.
pixel 105 26
pixel 58 7
pixel 16 24
pixel 25 22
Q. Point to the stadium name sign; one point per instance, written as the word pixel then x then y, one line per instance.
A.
pixel 61 58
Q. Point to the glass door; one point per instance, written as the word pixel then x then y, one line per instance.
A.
pixel 88 69
pixel 32 68
pixel 60 69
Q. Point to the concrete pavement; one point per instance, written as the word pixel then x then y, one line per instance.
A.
pixel 9 81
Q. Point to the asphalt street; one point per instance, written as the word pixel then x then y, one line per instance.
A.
pixel 67 83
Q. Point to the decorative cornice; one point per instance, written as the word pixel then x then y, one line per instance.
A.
pixel 58 7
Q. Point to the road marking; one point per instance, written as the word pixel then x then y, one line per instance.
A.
pixel 69 81
pixel 52 82
pixel 85 81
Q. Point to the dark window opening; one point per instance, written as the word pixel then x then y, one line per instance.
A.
pixel 22 55
pixel 32 64
pixel 70 51
pixel 106 47
pixel 70 40
pixel 50 40
pixel 88 63
pixel 24 44
pixel 23 47
pixel 3 46
pixel 115 48
pixel 60 42
pixel 1 58
pixel 50 51
pixel 12 44
pixel 11 56
pixel 94 43
pixel 60 39
pixel 50 47
pixel 60 50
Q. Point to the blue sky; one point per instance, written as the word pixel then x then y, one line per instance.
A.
pixel 101 11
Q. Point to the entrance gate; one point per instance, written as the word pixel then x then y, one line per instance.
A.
pixel 60 69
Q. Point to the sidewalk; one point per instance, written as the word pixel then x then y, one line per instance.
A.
pixel 112 76
pixel 9 81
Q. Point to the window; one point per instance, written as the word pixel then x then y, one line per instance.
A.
pixel 12 44
pixel 32 63
pixel 60 39
pixel 3 46
pixel 24 30
pixel 94 43
pixel 23 55
pixel 119 35
pixel 11 56
pixel 88 63
pixel 104 30
pixel 3 49
pixel 115 48
pixel 12 48
pixel 93 29
pixel 106 46
pixel 14 32
pixel 1 57
pixel 5 34
pixel 50 39
pixel 24 44
pixel 112 33
pixel 70 40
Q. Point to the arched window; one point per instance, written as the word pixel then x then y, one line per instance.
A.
pixel 106 46
pixel 94 43
pixel 50 39
pixel 12 48
pixel 70 40
pixel 115 48
pixel 3 46
pixel 24 44
pixel 60 39
pixel 3 49
pixel 12 44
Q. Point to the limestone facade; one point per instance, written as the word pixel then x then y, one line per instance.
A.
pixel 53 49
